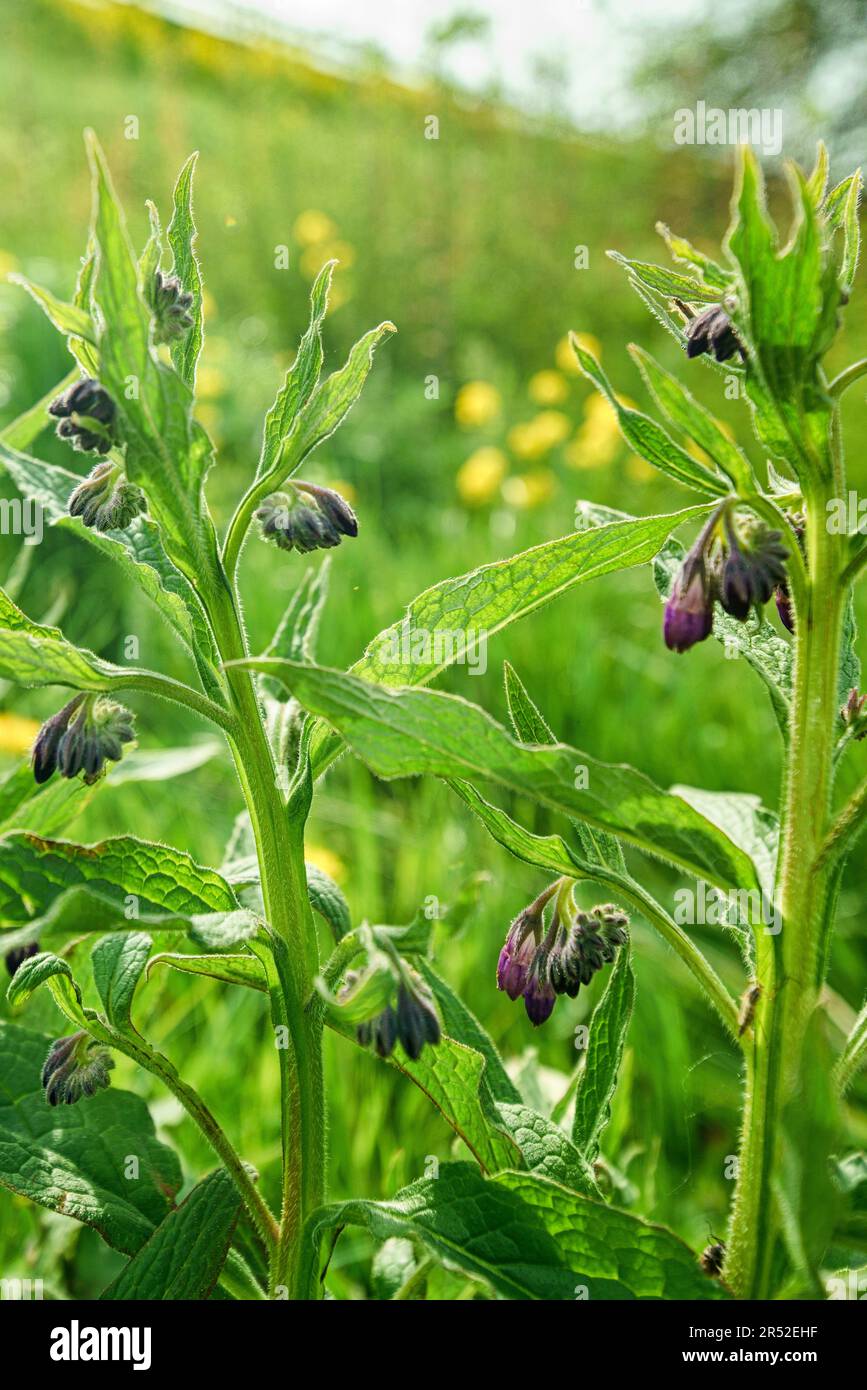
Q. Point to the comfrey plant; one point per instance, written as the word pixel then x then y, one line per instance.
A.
pixel 265 921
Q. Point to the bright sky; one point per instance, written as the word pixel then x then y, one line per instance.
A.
pixel 591 41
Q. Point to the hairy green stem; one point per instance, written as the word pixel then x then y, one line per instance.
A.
pixel 788 965
pixel 292 964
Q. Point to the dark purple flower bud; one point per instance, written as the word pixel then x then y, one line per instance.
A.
pixel 95 736
pixel 785 610
pixel 417 1021
pixel 755 563
pixel 16 958
pixel 519 948
pixel 539 996
pixel 47 745
pixel 86 413
pixel 333 507
pixel 306 518
pixel 711 331
pixel 689 608
pixel 75 1067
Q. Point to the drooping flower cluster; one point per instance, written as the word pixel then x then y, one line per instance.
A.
pixel 539 965
pixel 88 732
pixel 306 517
pixel 737 561
pixel 106 499
pixel 711 331
pixel 75 1067
pixel 171 305
pixel 411 1020
pixel 86 415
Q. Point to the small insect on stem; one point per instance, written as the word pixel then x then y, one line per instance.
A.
pixel 712 1259
pixel 750 999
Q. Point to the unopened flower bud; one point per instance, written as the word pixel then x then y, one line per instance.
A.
pixel 854 714
pixel 412 1020
pixel 16 958
pixel 689 608
pixel 539 994
pixel 755 563
pixel 171 305
pixel 75 1067
pixel 86 415
pixel 519 948
pixel 48 740
pixel 106 499
pixel 306 518
pixel 711 331
pixel 81 738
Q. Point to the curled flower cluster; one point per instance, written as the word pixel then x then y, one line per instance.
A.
pixel 711 332
pixel 411 1020
pixel 75 1067
pixel 86 415
pixel 539 965
pixel 106 499
pixel 306 518
pixel 88 732
pixel 738 565
pixel 171 305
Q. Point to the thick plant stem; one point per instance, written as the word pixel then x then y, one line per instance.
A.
pixel 788 964
pixel 292 963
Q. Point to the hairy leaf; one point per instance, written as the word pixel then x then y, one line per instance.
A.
pixel 598 1082
pixel 118 961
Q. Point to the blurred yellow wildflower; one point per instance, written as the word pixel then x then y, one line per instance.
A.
pixel 530 489
pixel 530 439
pixel 210 381
pixel 326 860
pixel 697 452
pixel 595 444
pixel 548 388
pixel 346 489
pixel 312 227
pixel 17 733
pixel 638 469
pixel 564 354
pixel 477 403
pixel 8 264
pixel 478 478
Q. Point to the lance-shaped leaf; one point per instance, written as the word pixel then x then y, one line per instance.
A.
pixel 445 621
pixel 545 1149
pixel 648 438
pixel 688 416
pixel 464 1027
pixel 118 961
pixel 529 1237
pixel 184 1256
pixel 682 250
pixel 138 550
pixel 786 314
pixel 604 1054
pixel 301 379
pixel 667 282
pixel 167 453
pixel 50 970
pixel 74 1159
pixel 402 733
pixel 228 969
pixel 70 320
pixel 181 238
pixel 157 878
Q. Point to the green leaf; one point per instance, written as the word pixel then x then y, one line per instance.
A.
pixel 464 1027
pixel 456 613
pixel 852 233
pixel 295 638
pixel 138 550
pixel 546 1150
pixel 687 415
pixel 118 961
pixel 67 318
pixel 667 282
pixel 300 381
pixel 528 1237
pixel 181 238
pixel 407 732
pixel 31 654
pixel 748 824
pixel 33 871
pixel 184 1256
pixel 229 969
pixel 327 899
pixel 47 969
pixel 75 1159
pixel 786 314
pixel 648 438
pixel 681 250
pixel 167 453
pixel 598 1082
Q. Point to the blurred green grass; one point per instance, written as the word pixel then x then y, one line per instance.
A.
pixel 467 244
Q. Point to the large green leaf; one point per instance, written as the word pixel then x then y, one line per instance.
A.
pixel 527 1236
pixel 455 613
pixel 545 1149
pixel 598 1081
pixel 401 733
pixel 76 1159
pixel 118 961
pixel 183 1258
pixel 31 654
pixel 34 871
